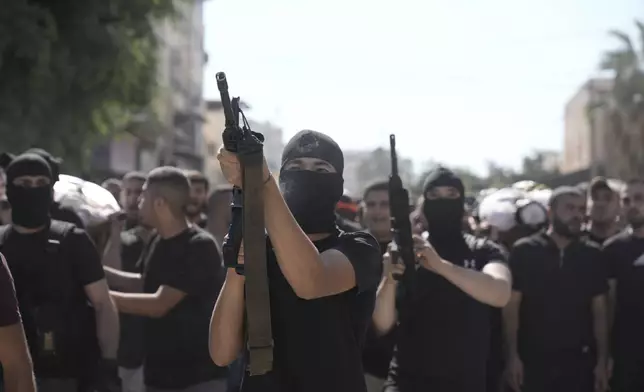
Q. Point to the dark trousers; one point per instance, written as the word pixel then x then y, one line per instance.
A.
pixel 628 375
pixel 57 385
pixel 466 383
pixel 565 372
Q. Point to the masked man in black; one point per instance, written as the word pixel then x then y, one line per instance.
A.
pixel 68 316
pixel 444 320
pixel 322 281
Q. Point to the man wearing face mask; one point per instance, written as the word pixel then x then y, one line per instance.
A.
pixel 556 322
pixel 443 324
pixel 57 273
pixel 322 281
pixel 58 212
pixel 624 255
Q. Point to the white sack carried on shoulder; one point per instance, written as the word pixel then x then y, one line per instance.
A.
pixel 93 203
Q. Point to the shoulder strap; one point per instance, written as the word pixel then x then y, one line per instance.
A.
pixel 58 231
pixel 4 233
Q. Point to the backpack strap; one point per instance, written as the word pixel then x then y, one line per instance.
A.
pixel 4 233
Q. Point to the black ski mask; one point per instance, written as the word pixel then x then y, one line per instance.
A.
pixel 312 196
pixel 444 216
pixel 29 205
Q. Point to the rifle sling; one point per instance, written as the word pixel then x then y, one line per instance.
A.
pixel 258 312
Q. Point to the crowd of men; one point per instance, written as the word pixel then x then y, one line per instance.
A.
pixel 547 307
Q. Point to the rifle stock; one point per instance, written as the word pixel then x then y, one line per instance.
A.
pixel 400 223
pixel 248 223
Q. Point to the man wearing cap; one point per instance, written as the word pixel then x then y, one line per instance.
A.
pixel 603 210
pixel 322 281
pixel 556 321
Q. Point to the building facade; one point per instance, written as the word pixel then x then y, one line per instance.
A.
pixel 587 142
pixel 212 136
pixel 173 135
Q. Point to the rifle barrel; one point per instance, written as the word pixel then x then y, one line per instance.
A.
pixel 394 156
pixel 222 86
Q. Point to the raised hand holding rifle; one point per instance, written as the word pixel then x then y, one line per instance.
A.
pixel 244 166
pixel 403 246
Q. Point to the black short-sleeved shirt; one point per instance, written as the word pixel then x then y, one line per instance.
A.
pixel 443 333
pixel 624 255
pixel 42 271
pixel 378 350
pixel 9 314
pixel 130 353
pixel 557 287
pixel 318 343
pixel 32 250
pixel 176 345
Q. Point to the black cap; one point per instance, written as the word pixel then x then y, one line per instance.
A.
pixel 598 184
pixel 313 144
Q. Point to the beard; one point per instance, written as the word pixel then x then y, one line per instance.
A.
pixel 636 221
pixel 193 209
pixel 564 229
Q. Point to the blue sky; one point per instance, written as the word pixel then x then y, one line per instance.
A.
pixel 460 81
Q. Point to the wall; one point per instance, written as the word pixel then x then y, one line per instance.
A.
pixel 585 135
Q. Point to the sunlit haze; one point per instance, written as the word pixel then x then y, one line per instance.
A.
pixel 461 82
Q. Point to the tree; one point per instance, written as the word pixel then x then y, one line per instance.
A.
pixel 75 71
pixel 626 102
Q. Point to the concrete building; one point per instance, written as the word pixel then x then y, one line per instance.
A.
pixel 587 142
pixel 172 136
pixel 362 167
pixel 212 136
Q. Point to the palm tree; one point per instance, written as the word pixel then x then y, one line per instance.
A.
pixel 626 104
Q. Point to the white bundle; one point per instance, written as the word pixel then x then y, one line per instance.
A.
pixel 93 203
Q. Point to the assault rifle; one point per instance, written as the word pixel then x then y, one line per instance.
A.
pixel 248 223
pixel 400 223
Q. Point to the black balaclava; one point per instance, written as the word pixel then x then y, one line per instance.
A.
pixel 54 163
pixel 312 196
pixel 29 206
pixel 444 216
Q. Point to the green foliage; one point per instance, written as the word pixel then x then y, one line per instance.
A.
pixel 625 103
pixel 627 64
pixel 74 71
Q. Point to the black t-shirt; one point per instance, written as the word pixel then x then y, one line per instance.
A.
pixel 443 333
pixel 9 314
pixel 31 250
pixel 624 255
pixel 130 353
pixel 557 288
pixel 48 273
pixel 318 342
pixel 378 350
pixel 176 345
